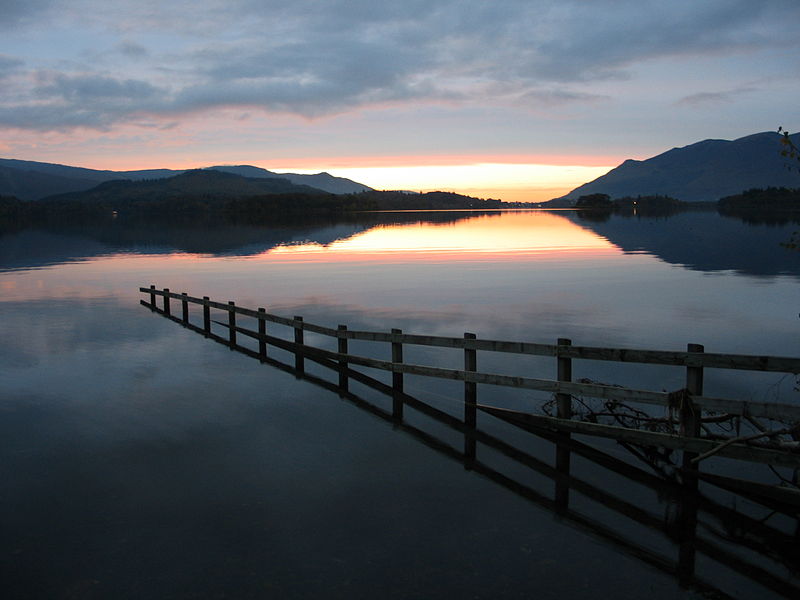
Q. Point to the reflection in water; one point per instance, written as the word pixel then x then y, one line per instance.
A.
pixel 404 236
pixel 676 516
pixel 701 240
pixel 481 237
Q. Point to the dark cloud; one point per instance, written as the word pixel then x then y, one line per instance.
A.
pixel 714 98
pixel 95 101
pixel 317 58
pixel 95 88
pixel 601 41
pixel 558 97
pixel 131 49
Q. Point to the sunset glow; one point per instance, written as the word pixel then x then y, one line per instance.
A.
pixel 528 236
pixel 508 182
pixel 517 101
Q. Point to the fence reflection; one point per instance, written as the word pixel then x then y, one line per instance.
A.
pixel 684 510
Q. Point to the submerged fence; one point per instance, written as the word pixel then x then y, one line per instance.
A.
pixel 688 403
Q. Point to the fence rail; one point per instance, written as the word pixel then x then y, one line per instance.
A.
pixel 688 402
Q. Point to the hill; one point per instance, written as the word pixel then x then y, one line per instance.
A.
pixel 31 180
pixel 321 181
pixel 701 172
pixel 32 185
pixel 210 195
pixel 204 184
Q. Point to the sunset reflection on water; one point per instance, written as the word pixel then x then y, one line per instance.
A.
pixel 485 237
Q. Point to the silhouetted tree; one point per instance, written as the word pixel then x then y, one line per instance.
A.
pixel 595 201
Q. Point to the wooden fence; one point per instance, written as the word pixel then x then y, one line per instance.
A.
pixel 688 403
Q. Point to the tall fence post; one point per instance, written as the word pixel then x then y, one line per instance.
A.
pixel 152 296
pixel 262 332
pixel 206 316
pixel 470 398
pixel 397 378
pixel 564 374
pixel 166 302
pixel 563 411
pixel 185 307
pixel 299 362
pixel 690 414
pixel 341 348
pixel 231 323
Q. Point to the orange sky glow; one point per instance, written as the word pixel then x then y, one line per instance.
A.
pixel 529 236
pixel 508 177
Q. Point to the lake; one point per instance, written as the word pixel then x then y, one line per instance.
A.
pixel 140 460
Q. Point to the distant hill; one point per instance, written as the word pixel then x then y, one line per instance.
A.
pixel 321 181
pixel 206 184
pixel 32 185
pixel 701 172
pixel 210 195
pixel 31 180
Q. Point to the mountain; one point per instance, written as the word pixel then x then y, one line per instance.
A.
pixel 321 181
pixel 207 184
pixel 31 180
pixel 30 185
pixel 701 172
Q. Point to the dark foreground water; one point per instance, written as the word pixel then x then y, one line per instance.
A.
pixel 140 460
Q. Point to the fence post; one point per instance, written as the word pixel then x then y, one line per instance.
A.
pixel 564 373
pixel 397 379
pixel 563 411
pixel 690 417
pixel 152 296
pixel 470 399
pixel 299 362
pixel 231 323
pixel 206 316
pixel 185 308
pixel 166 301
pixel 262 331
pixel 341 348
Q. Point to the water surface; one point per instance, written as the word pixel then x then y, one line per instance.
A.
pixel 141 460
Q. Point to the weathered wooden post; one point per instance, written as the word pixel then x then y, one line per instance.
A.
pixel 152 296
pixel 299 362
pixel 690 417
pixel 231 323
pixel 262 332
pixel 564 373
pixel 166 301
pixel 341 348
pixel 397 378
pixel 563 411
pixel 185 307
pixel 206 316
pixel 470 398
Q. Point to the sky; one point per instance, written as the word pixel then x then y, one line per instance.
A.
pixel 511 99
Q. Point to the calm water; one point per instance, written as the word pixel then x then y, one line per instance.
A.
pixel 140 460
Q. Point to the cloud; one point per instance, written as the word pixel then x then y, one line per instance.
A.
pixel 131 49
pixel 558 97
pixel 714 98
pixel 88 89
pixel 66 101
pixel 314 59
